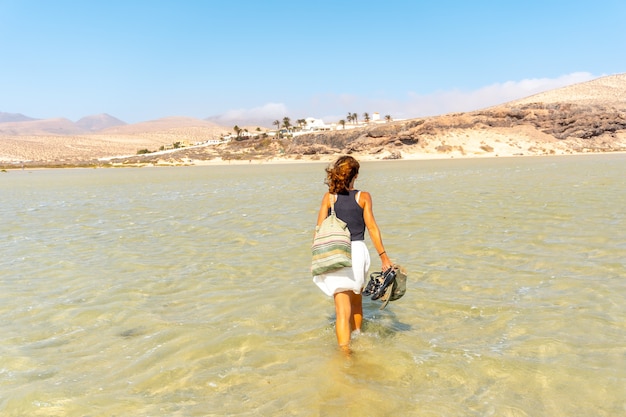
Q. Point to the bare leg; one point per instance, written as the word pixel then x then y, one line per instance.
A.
pixel 343 310
pixel 356 308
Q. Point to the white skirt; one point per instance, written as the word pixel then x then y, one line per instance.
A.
pixel 349 278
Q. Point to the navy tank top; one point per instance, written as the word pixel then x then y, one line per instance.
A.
pixel 348 210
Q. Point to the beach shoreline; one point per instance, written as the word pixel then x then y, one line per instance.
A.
pixel 283 160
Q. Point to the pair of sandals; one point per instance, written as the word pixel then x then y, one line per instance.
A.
pixel 388 285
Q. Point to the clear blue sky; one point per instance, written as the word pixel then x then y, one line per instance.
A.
pixel 141 60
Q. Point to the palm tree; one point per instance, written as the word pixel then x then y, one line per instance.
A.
pixel 388 118
pixel 301 123
pixel 342 123
pixel 237 130
pixel 277 124
pixel 286 123
pixel 355 118
pixel 366 117
pixel 349 117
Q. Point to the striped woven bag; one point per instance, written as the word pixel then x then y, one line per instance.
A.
pixel 332 249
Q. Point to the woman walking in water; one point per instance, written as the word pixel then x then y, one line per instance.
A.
pixel 355 208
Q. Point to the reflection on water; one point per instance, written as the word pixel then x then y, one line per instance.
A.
pixel 186 291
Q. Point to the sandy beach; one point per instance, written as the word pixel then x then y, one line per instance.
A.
pixel 101 151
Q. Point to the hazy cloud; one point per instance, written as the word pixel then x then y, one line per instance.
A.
pixel 263 115
pixel 491 95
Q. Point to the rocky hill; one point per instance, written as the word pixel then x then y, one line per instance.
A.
pixel 533 128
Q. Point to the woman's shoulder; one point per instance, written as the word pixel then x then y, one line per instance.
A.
pixel 326 198
pixel 363 197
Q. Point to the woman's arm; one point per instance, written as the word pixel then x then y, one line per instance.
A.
pixel 373 230
pixel 323 213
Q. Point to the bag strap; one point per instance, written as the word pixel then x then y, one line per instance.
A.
pixel 332 198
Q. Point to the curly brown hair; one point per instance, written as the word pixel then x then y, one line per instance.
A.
pixel 340 174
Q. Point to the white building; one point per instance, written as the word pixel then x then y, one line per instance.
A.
pixel 312 124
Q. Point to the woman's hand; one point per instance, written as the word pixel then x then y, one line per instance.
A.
pixel 386 262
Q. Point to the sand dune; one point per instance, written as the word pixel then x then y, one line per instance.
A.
pixel 604 91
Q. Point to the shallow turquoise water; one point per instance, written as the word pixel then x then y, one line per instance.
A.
pixel 185 292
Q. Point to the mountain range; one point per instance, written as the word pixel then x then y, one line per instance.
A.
pixel 19 124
